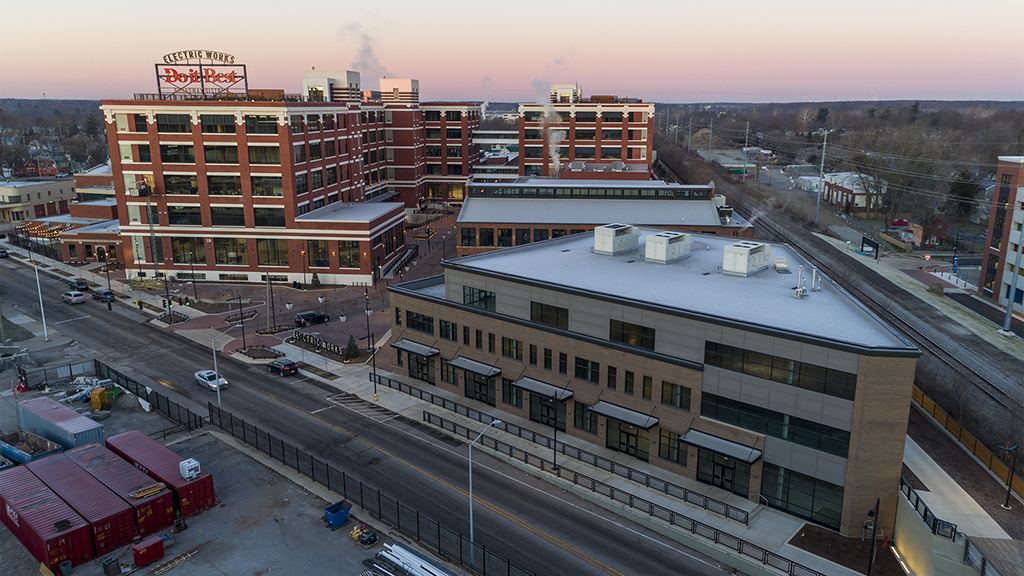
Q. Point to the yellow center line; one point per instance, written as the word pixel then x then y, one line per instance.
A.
pixel 561 544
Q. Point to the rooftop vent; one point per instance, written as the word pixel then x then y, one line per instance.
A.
pixel 745 258
pixel 615 239
pixel 666 247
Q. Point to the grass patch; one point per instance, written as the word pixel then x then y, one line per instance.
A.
pixel 15 332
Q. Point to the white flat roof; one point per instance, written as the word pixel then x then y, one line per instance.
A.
pixel 696 285
pixel 563 210
pixel 100 170
pixel 102 227
pixel 64 219
pixel 101 202
pixel 351 212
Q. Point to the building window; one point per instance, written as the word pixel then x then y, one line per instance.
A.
pixel 271 252
pixel 314 151
pixel 419 322
pixel 267 186
pixel 316 252
pixel 547 359
pixel 261 124
pixel 550 315
pixel 511 348
pixel 468 236
pixel 675 395
pixel 184 216
pixel 479 339
pixel 398 316
pixel 559 232
pixel 585 419
pixel 612 376
pixel 185 250
pixel 648 387
pixel 628 383
pixel 313 122
pixel 631 334
pixel 455 169
pixel 490 343
pixel 453 133
pixel 431 115
pixel 221 154
pixel 487 236
pixel 776 424
pixel 301 184
pixel 511 394
pixel 271 217
pixel 224 185
pixel 453 151
pixel 453 116
pixel 180 184
pixel 563 363
pixel 802 495
pixel 297 125
pixel 449 331
pixel 783 370
pixel 217 123
pixel 671 447
pixel 478 298
pixel 539 235
pixel 533 354
pixel 588 370
pixel 449 373
pixel 505 237
pixel 465 335
pixel 230 251
pixel 522 236
pixel 227 216
pixel 433 151
pixel 177 154
pixel 317 180
pixel 264 155
pixel 298 153
pixel 174 123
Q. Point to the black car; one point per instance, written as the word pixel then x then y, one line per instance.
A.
pixel 283 366
pixel 4 254
pixel 103 295
pixel 309 318
pixel 80 285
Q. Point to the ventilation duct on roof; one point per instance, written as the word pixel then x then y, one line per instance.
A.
pixel 614 239
pixel 666 247
pixel 745 258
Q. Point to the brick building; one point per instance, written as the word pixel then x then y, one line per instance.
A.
pixel 1004 237
pixel 282 185
pixel 692 352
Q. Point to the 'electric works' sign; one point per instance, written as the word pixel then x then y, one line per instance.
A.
pixel 201 74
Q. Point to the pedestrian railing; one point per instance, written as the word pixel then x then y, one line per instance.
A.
pixel 443 541
pixel 632 474
pixel 938 527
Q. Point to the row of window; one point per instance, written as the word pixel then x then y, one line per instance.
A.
pixel 269 251
pixel 510 237
pixel 588 152
pixel 587 134
pixel 213 154
pixel 449 133
pixel 586 117
pixel 221 185
pixel 321 177
pixel 444 169
pixel 783 370
pixel 225 216
pixel 435 115
pixel 495 190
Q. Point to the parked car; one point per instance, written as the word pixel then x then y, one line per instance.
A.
pixel 80 285
pixel 4 254
pixel 209 379
pixel 283 366
pixel 103 295
pixel 309 318
pixel 72 297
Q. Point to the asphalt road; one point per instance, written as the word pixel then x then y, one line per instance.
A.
pixel 536 525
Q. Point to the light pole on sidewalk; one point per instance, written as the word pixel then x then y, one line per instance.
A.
pixel 1013 471
pixel 42 312
pixel 216 373
pixel 472 546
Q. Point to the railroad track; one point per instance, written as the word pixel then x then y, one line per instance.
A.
pixel 772 231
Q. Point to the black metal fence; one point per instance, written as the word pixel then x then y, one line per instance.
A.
pixel 443 541
pixel 61 373
pixel 45 247
pixel 632 474
pixel 938 527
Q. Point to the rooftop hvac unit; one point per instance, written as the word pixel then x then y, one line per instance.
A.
pixel 189 469
pixel 745 258
pixel 618 166
pixel 614 239
pixel 719 200
pixel 666 247
pixel 577 165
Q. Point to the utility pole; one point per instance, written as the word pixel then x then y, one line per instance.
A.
pixel 689 132
pixel 821 174
pixel 711 135
pixel 746 144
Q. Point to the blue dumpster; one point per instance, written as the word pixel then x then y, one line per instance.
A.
pixel 337 514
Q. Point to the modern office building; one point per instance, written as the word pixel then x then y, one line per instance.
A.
pixel 731 362
pixel 238 187
pixel 1003 249
pixel 500 214
pixel 586 138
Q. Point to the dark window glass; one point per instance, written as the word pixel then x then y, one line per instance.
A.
pixel 588 370
pixel 487 236
pixel 268 217
pixel 547 359
pixel 217 123
pixel 419 322
pixel 632 334
pixel 264 155
pixel 267 186
pixel 272 252
pixel 224 185
pixel 227 216
pixel 221 154
pixel 469 236
pixel 184 216
pixel 231 251
pixel 174 123
pixel 671 447
pixel 180 184
pixel 449 331
pixel 675 395
pixel 802 375
pixel 511 348
pixel 478 298
pixel 563 363
pixel 550 315
pixel 584 419
pixel 261 124
pixel 177 154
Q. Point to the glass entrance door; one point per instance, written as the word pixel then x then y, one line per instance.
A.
pixel 725 473
pixel 480 388
pixel 722 476
pixel 628 439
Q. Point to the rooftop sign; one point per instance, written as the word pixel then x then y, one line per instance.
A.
pixel 201 74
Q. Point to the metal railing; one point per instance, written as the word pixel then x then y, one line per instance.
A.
pixel 938 527
pixel 632 474
pixel 443 541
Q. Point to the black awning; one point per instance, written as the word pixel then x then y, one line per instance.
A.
pixel 721 446
pixel 631 417
pixel 475 367
pixel 543 389
pixel 415 348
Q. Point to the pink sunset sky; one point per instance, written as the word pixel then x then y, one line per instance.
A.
pixel 663 51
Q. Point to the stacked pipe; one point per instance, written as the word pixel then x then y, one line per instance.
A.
pixel 396 560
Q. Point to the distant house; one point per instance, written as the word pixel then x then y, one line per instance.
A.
pixel 853 193
pixel 930 235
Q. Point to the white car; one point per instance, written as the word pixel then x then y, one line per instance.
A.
pixel 72 297
pixel 209 379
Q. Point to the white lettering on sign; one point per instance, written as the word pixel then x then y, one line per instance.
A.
pixel 13 514
pixel 210 55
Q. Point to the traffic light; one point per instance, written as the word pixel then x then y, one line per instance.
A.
pixel 164 303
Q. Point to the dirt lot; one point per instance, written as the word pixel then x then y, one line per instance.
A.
pixel 849 552
pixel 264 523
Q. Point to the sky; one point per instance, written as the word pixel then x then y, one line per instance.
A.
pixel 657 50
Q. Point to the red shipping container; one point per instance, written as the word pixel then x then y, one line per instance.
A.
pixel 111 518
pixel 148 551
pixel 50 530
pixel 160 462
pixel 152 512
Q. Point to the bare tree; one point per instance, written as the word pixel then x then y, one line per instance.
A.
pixel 804 116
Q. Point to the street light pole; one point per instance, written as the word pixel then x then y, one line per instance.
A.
pixel 107 257
pixel 42 312
pixel 216 373
pixel 874 529
pixel 472 546
pixel 366 292
pixel 192 264
pixel 241 319
pixel 373 360
pixel 1013 471
pixel 821 176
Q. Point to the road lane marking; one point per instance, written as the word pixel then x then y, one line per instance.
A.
pixel 73 319
pixel 321 409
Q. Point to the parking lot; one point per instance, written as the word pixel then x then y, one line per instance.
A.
pixel 264 522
